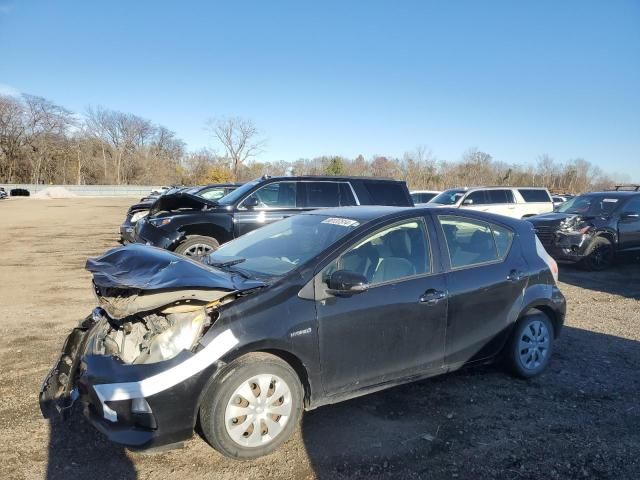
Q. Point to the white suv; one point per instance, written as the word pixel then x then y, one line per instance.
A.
pixel 516 202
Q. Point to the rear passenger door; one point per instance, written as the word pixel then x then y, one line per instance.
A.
pixel 485 281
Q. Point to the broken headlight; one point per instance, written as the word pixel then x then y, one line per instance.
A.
pixel 185 330
pixel 138 215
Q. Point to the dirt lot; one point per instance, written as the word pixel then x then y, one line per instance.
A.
pixel 579 420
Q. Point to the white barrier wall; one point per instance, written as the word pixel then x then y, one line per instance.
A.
pixel 89 190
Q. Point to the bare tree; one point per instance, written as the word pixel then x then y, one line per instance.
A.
pixel 240 139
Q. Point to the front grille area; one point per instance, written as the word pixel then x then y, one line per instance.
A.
pixel 546 235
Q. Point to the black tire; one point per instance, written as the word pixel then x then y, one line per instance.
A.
pixel 219 395
pixel 514 355
pixel 197 243
pixel 599 255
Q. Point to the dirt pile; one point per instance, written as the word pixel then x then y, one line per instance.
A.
pixel 54 192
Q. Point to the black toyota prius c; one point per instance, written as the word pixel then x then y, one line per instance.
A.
pixel 310 310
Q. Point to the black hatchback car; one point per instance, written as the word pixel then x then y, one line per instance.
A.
pixel 195 227
pixel 311 310
pixel 592 229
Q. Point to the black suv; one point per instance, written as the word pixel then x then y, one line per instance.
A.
pixel 592 228
pixel 195 226
pixel 141 209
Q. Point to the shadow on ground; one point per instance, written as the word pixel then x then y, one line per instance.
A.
pixel 621 279
pixel 581 419
pixel 77 450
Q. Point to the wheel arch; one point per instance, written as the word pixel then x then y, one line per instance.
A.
pixel 549 312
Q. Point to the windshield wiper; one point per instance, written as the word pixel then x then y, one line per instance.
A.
pixel 227 263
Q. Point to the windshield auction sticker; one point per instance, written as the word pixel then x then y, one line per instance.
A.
pixel 343 222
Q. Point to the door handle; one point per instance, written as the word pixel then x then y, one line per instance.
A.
pixel 514 276
pixel 431 296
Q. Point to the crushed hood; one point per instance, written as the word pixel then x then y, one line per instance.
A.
pixel 180 200
pixel 142 267
pixel 138 278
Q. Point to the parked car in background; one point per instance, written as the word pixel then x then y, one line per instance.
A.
pixel 195 226
pixel 515 202
pixel 421 197
pixel 140 210
pixel 591 229
pixel 3 193
pixel 311 310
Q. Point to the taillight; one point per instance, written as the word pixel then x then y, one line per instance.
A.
pixel 554 268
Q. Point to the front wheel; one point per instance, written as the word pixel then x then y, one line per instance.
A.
pixel 252 407
pixel 599 255
pixel 197 246
pixel 529 350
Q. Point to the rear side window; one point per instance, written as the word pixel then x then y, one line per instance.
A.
pixel 473 242
pixel 322 194
pixel 346 195
pixel 386 193
pixel 499 196
pixel 503 237
pixel 532 195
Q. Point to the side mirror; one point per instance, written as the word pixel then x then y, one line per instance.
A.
pixel 346 282
pixel 251 202
pixel 467 201
pixel 630 216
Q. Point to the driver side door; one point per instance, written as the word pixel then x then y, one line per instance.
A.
pixel 275 201
pixel 393 329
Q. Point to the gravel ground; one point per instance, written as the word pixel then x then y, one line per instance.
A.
pixel 581 419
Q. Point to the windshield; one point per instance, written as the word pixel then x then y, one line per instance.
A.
pixel 449 197
pixel 237 194
pixel 278 248
pixel 589 205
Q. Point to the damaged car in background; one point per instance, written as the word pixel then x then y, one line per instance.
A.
pixel 307 311
pixel 137 211
pixel 593 228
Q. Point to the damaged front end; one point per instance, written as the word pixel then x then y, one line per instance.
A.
pixel 142 339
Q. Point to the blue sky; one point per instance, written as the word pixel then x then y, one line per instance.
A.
pixel 514 78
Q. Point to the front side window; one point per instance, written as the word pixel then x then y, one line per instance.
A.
pixel 476 198
pixel 633 206
pixel 275 195
pixel 393 253
pixel 473 242
pixel 449 197
pixel 212 193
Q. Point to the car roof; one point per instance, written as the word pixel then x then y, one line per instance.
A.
pixel 367 213
pixel 330 178
pixel 612 193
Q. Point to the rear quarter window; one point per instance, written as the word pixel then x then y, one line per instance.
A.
pixel 531 195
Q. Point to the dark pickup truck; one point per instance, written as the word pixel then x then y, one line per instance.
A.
pixel 592 229
pixel 195 226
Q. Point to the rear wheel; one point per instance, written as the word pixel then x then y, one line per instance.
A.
pixel 531 345
pixel 197 246
pixel 599 255
pixel 252 407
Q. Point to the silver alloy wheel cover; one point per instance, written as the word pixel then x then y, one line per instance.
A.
pixel 198 250
pixel 258 410
pixel 533 347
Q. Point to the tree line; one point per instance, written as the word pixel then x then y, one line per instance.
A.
pixel 42 142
